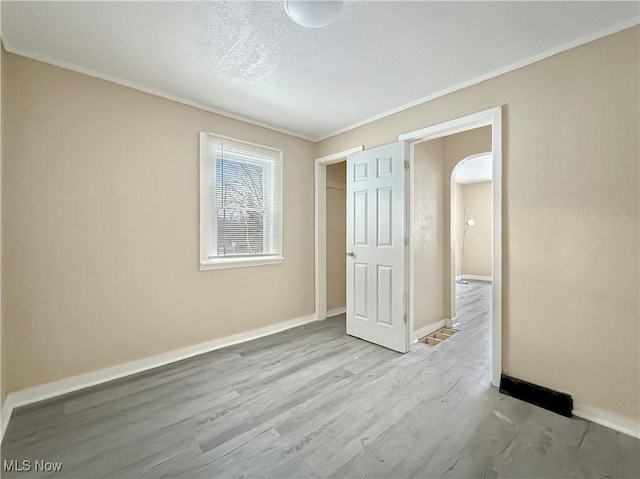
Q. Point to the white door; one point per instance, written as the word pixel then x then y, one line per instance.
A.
pixel 375 247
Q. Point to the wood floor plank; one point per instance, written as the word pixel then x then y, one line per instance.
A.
pixel 314 402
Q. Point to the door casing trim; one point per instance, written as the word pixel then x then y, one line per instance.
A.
pixel 490 117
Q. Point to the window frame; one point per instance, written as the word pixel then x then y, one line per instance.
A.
pixel 208 232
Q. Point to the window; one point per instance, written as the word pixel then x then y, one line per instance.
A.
pixel 240 203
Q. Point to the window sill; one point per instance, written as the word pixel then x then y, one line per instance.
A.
pixel 224 263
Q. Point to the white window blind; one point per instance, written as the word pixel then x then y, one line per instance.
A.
pixel 241 200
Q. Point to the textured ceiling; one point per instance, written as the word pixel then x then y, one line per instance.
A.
pixel 250 60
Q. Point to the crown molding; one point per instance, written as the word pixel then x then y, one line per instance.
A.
pixel 151 91
pixel 488 76
pixel 318 138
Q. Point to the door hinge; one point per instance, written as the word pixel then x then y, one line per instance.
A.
pixel 406 241
pixel 405 318
pixel 406 164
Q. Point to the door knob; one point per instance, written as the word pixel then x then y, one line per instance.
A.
pixel 351 253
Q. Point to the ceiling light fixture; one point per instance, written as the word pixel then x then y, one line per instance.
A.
pixel 313 14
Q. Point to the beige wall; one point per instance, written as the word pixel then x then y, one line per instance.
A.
pixel 100 221
pixel 571 214
pixel 478 199
pixel 336 236
pixel 337 174
pixel 429 249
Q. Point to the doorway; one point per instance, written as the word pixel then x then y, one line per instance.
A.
pixel 472 212
pixel 437 140
pixel 491 118
pixel 321 183
pixel 442 170
pixel 471 231
pixel 336 241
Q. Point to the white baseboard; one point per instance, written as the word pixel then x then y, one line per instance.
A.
pixel 7 409
pixel 608 419
pixel 475 277
pixel 81 381
pixel 74 383
pixel 428 329
pixel 336 311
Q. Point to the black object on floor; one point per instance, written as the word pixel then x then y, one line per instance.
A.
pixel 560 403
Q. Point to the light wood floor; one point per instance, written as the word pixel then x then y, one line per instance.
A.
pixel 313 402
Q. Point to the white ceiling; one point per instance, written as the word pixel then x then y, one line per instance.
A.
pixel 249 60
pixel 474 170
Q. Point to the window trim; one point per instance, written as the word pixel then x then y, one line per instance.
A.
pixel 206 227
pixel 239 262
